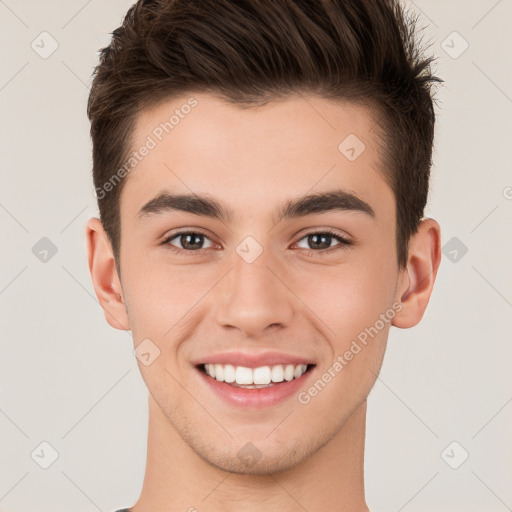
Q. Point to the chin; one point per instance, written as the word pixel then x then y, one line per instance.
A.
pixel 256 458
pixel 262 464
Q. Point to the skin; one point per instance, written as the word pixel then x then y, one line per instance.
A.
pixel 200 303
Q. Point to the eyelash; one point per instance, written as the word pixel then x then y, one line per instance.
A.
pixel 321 252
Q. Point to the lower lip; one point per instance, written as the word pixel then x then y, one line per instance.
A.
pixel 256 398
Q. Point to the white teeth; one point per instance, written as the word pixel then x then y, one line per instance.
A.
pixel 219 372
pixel 299 370
pixel 288 372
pixel 277 373
pixel 243 375
pixel 229 373
pixel 263 375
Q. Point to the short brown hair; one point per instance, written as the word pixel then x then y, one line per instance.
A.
pixel 250 52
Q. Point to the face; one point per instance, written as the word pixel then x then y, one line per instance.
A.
pixel 260 277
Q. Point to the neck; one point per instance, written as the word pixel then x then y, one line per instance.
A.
pixel 177 479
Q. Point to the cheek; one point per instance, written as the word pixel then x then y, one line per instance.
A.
pixel 160 296
pixel 351 304
pixel 348 298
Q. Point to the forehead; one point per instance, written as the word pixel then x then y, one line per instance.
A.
pixel 249 157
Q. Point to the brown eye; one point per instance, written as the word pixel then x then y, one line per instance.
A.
pixel 190 241
pixel 319 242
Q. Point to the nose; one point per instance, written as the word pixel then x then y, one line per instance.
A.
pixel 254 297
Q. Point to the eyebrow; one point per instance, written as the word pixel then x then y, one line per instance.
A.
pixel 208 207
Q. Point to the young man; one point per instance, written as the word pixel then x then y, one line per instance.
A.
pixel 261 170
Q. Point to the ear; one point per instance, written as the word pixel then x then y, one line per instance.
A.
pixel 105 278
pixel 417 278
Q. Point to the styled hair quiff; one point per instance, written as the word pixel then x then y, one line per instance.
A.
pixel 250 52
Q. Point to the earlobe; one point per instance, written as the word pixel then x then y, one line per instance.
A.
pixel 105 278
pixel 417 279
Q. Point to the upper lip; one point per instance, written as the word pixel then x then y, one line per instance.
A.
pixel 253 360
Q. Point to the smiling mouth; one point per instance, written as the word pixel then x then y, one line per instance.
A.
pixel 254 378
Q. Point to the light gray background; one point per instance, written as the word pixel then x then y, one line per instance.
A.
pixel 69 379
